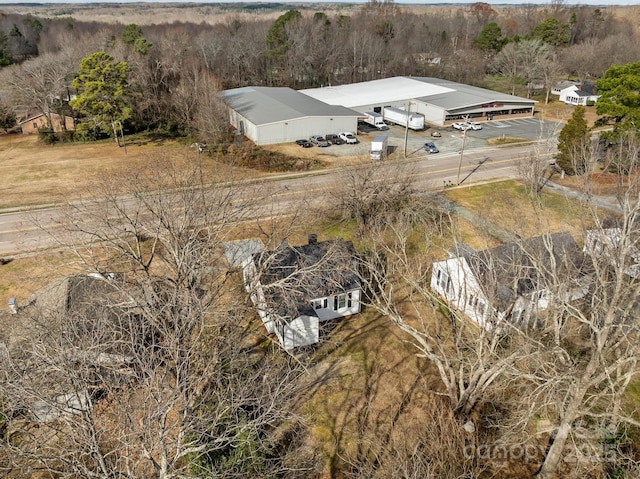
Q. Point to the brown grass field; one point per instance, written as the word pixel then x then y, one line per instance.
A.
pixel 37 174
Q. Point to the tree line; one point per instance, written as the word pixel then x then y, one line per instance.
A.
pixel 175 69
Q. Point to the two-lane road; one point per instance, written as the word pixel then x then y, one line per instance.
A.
pixel 26 231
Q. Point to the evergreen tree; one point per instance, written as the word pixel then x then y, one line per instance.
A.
pixel 278 40
pixel 573 143
pixel 553 32
pixel 490 38
pixel 619 98
pixel 102 85
pixel 5 51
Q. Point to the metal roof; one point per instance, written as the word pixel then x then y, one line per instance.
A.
pixel 265 105
pixel 375 91
pixel 443 93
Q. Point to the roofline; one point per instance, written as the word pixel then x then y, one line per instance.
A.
pixel 33 117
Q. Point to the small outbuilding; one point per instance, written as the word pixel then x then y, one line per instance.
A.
pixel 268 115
pixel 33 123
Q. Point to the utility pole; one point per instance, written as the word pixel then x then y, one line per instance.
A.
pixel 464 137
pixel 406 128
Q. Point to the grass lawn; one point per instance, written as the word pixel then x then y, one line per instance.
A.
pixel 507 205
pixel 39 174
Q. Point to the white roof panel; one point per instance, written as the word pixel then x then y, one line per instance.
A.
pixel 376 91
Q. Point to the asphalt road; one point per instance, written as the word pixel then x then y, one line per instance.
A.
pixel 26 231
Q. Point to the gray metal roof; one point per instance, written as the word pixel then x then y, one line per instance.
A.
pixel 446 94
pixel 265 105
pixel 237 251
pixel 465 96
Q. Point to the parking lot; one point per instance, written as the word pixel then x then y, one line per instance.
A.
pixel 450 140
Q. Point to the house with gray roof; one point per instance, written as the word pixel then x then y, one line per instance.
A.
pixel 268 115
pixel 295 288
pixel 513 281
pixel 579 94
pixel 442 102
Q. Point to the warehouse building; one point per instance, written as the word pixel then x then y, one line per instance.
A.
pixel 442 102
pixel 280 115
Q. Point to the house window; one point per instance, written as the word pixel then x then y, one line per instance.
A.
pixel 342 301
pixel 335 303
pixel 325 303
pixel 349 298
pixel 317 304
pixel 35 125
pixel 443 280
pixel 471 299
pixel 481 308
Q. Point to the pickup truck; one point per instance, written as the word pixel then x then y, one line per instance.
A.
pixel 334 139
pixel 348 137
pixel 319 140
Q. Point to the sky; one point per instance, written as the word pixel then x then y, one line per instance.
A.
pixel 399 2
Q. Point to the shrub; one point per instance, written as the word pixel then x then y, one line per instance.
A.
pixel 47 136
pixel 89 132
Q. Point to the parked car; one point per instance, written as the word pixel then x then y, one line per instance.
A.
pixel 436 133
pixel 461 125
pixel 348 137
pixel 431 147
pixel 304 143
pixel 319 140
pixel 474 125
pixel 334 139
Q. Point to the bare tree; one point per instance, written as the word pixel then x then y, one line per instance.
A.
pixel 40 84
pixel 591 352
pixel 508 64
pixel 369 191
pixel 469 359
pixel 162 376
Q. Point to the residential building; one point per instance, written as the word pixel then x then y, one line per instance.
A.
pixel 295 288
pixel 512 281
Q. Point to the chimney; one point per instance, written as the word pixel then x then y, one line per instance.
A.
pixel 313 238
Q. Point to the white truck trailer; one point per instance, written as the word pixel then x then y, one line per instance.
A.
pixel 402 117
pixel 379 146
pixel 375 119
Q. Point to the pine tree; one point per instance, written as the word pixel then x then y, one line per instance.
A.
pixel 573 143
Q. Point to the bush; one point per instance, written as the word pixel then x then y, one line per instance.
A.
pixel 47 136
pixel 248 155
pixel 89 132
pixel 591 103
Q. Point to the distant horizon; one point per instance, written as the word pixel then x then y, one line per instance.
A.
pixel 573 3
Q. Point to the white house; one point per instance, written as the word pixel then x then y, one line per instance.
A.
pixel 605 243
pixel 561 85
pixel 295 288
pixel 579 94
pixel 504 282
